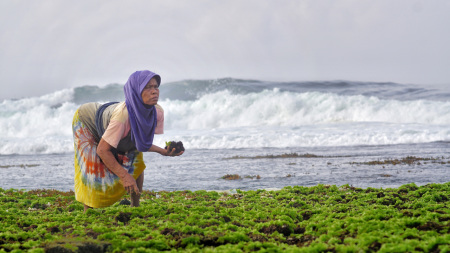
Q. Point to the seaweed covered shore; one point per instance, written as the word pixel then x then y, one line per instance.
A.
pixel 322 218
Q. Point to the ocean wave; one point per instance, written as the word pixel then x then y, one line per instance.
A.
pixel 327 135
pixel 190 90
pixel 108 93
pixel 276 108
pixel 232 113
pixel 194 89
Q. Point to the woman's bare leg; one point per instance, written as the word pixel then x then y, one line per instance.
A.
pixel 135 197
pixel 86 207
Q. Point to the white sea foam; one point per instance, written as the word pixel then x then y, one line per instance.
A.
pixel 286 119
pixel 274 108
pixel 37 125
pixel 226 119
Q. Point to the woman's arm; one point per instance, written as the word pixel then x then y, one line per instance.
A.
pixel 164 152
pixel 127 180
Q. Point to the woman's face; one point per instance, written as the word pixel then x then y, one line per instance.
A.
pixel 150 93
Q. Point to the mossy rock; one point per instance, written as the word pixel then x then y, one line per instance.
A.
pixel 69 246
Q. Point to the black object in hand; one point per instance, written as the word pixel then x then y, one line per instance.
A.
pixel 177 145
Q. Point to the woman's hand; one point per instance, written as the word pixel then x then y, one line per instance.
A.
pixel 164 152
pixel 129 183
pixel 172 152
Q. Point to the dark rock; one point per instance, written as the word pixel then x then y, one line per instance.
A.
pixel 125 202
pixel 123 217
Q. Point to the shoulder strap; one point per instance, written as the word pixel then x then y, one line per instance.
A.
pixel 99 118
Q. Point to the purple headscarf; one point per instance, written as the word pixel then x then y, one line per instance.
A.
pixel 142 116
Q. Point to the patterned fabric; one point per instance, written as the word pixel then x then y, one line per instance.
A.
pixel 95 185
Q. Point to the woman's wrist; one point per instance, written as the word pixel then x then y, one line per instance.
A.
pixel 162 152
pixel 157 149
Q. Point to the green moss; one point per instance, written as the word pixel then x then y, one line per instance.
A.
pixel 303 219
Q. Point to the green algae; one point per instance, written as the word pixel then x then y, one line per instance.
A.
pixel 286 155
pixel 409 160
pixel 323 218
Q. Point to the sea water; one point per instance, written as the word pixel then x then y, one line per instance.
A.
pixel 343 124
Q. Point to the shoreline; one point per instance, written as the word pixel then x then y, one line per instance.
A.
pixel 376 167
pixel 233 191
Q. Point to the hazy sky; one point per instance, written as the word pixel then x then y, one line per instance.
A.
pixel 49 45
